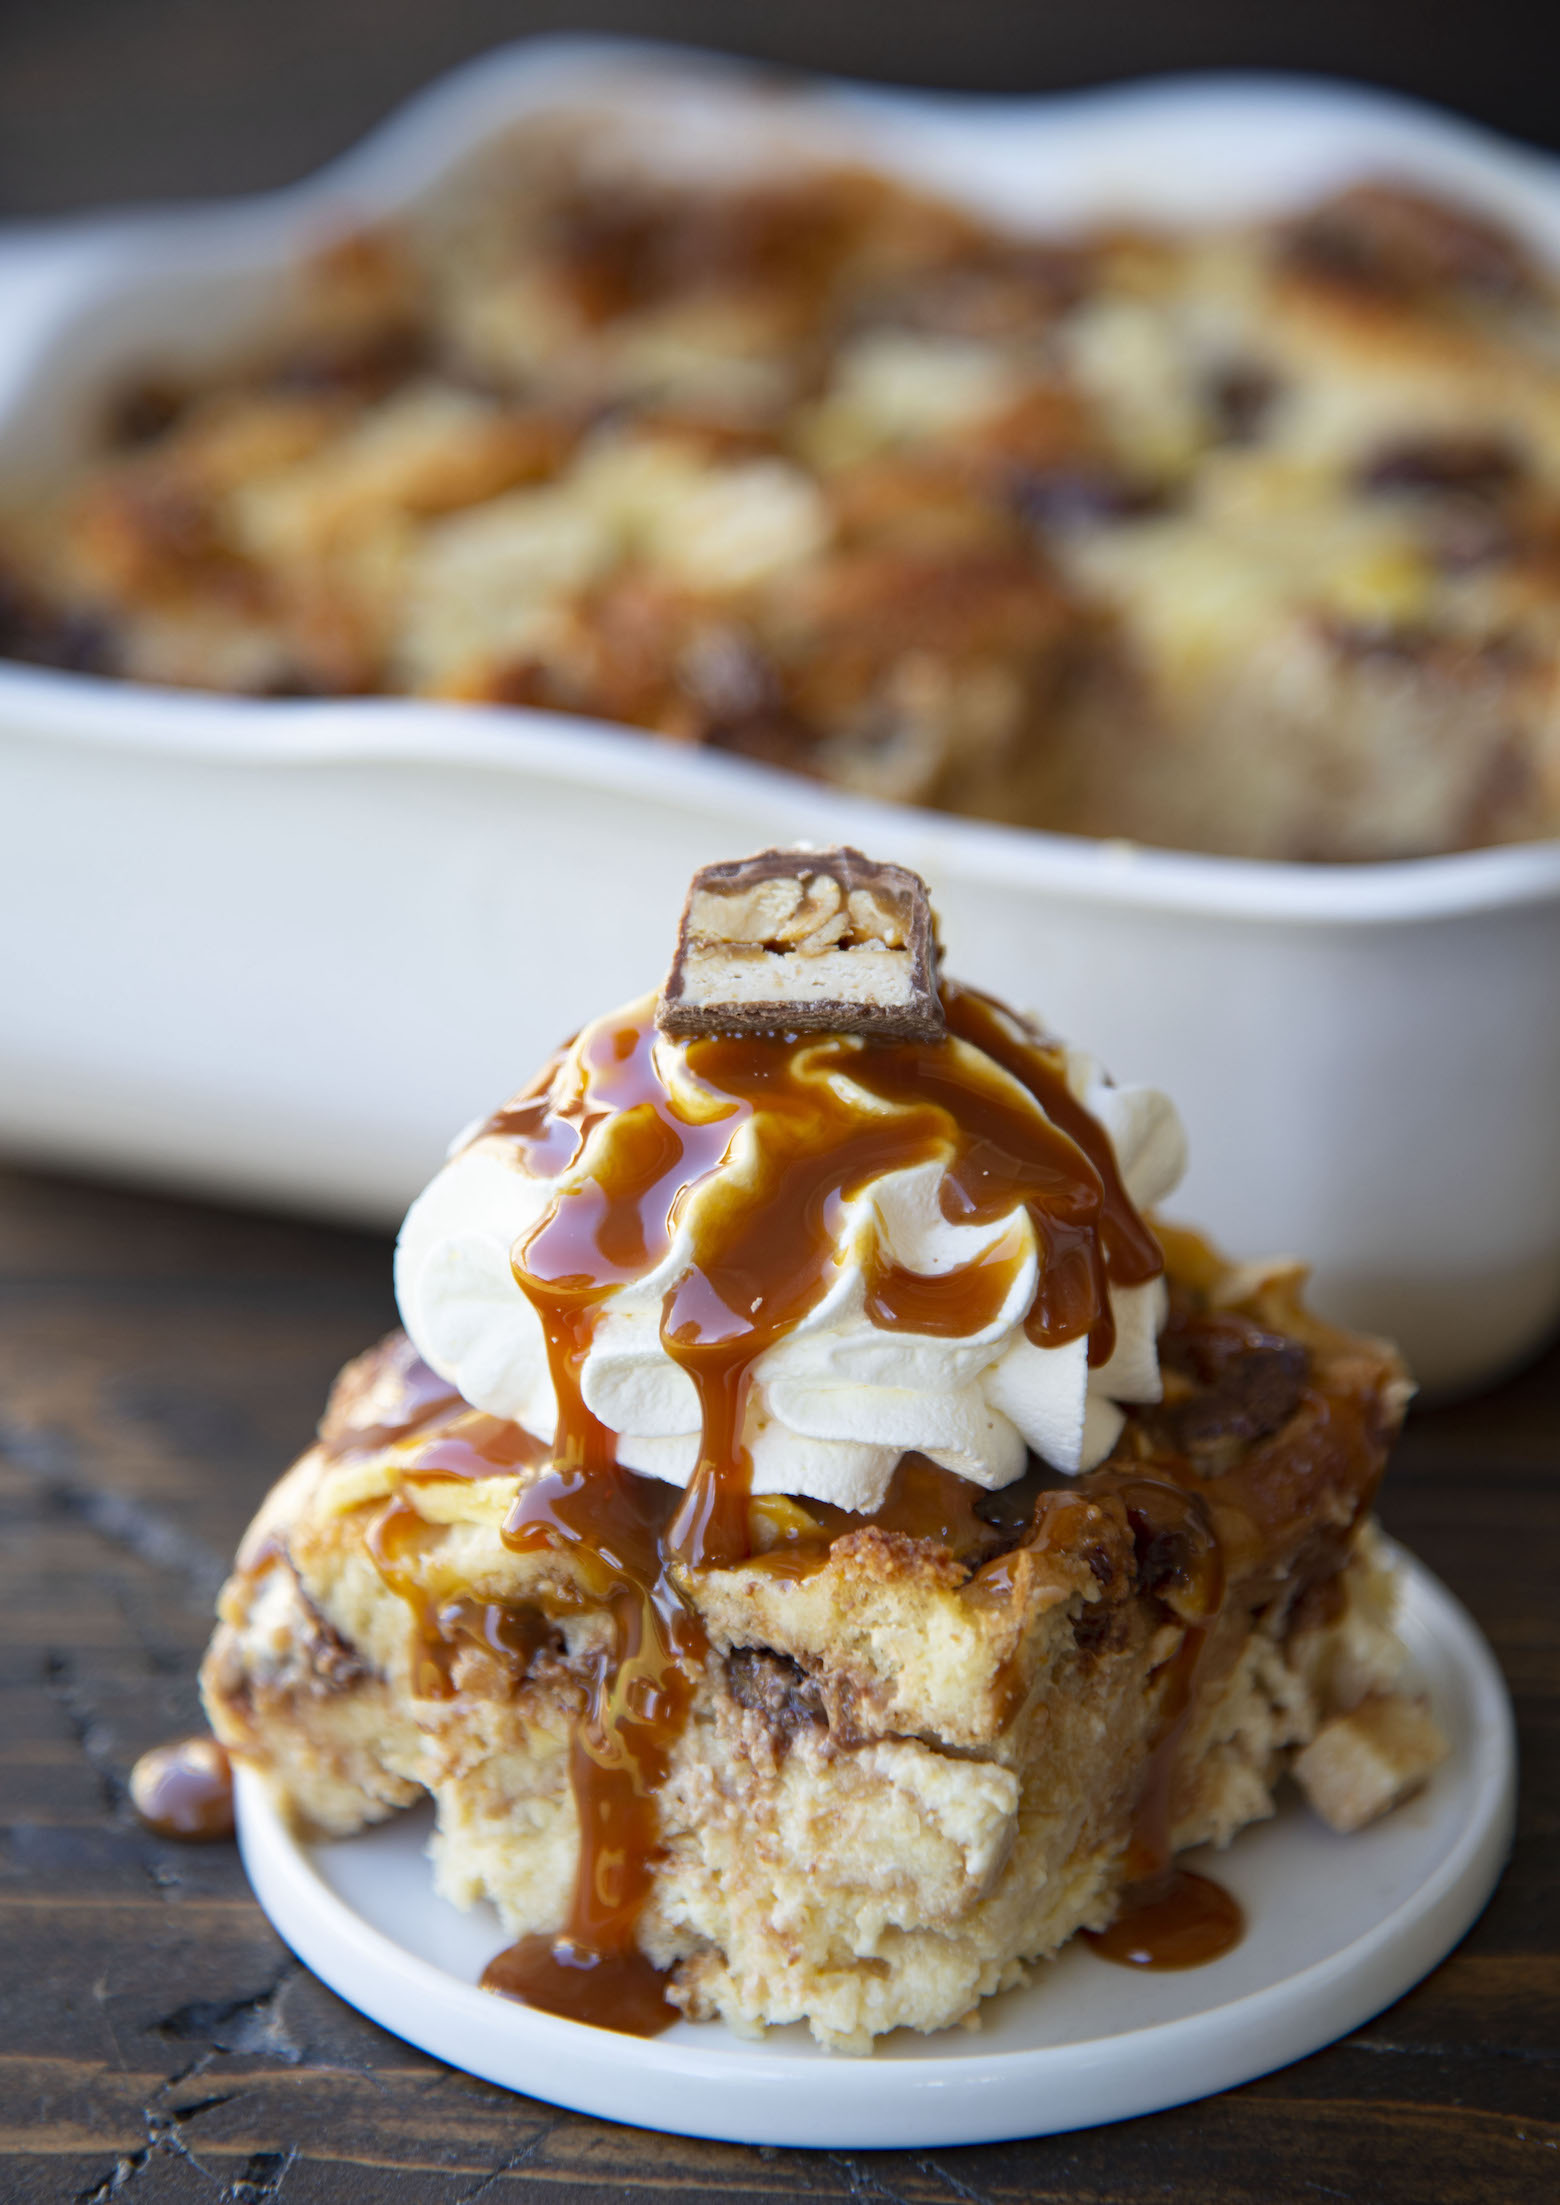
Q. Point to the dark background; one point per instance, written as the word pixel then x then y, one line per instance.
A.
pixel 159 1361
pixel 141 99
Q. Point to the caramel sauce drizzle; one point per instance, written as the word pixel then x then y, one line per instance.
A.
pixel 1167 1916
pixel 184 1790
pixel 439 1447
pixel 639 1689
pixel 419 1398
pixel 1180 1920
pixel 764 1250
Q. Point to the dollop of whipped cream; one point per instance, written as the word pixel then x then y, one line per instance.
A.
pixel 836 1399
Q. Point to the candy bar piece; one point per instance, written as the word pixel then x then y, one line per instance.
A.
pixel 805 941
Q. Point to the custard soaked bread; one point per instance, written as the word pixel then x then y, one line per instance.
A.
pixel 1241 539
pixel 823 1548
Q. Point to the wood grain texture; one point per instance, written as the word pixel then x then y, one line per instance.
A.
pixel 159 1363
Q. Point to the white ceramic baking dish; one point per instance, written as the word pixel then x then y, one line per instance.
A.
pixel 282 949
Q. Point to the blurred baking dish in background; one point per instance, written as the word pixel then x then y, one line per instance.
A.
pixel 916 492
pixel 1240 537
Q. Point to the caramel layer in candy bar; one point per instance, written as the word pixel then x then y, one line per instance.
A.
pixel 815 941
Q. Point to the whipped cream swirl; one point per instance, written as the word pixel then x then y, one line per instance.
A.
pixel 837 1398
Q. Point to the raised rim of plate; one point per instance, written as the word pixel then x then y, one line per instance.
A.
pixel 760 2093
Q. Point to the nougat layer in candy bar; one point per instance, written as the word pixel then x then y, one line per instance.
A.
pixel 794 941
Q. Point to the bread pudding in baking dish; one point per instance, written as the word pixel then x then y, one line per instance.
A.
pixel 818 1542
pixel 1241 540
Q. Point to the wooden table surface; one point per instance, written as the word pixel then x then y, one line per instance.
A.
pixel 160 1361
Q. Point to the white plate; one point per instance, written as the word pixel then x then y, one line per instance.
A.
pixel 1338 1928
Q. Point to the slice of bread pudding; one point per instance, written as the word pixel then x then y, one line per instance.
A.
pixel 921 1749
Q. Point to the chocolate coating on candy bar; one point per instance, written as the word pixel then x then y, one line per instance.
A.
pixel 805 941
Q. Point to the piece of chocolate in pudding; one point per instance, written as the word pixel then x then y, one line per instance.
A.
pixel 805 941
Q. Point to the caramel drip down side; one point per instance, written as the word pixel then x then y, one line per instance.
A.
pixel 1128 1253
pixel 607 1227
pixel 637 1697
pixel 1169 1916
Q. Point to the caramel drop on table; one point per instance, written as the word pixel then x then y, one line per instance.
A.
pixel 609 1990
pixel 185 1790
pixel 1181 1920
